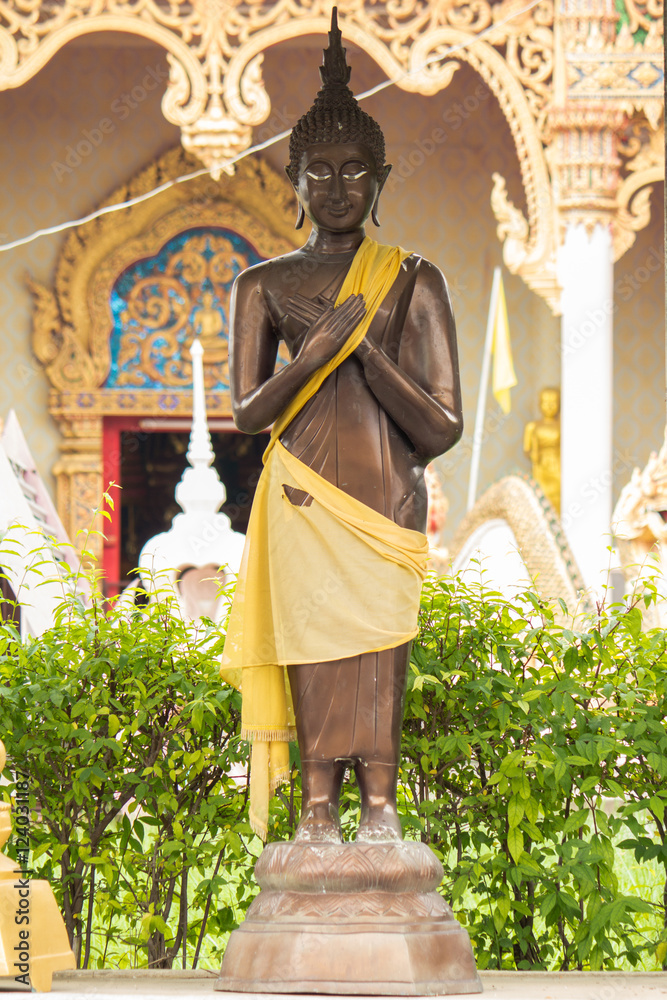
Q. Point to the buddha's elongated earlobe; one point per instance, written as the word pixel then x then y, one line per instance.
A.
pixel 300 214
pixel 384 173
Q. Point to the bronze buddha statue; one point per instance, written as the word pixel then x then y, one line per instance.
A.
pixel 378 415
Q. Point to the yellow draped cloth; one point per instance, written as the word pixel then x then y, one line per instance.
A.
pixel 322 577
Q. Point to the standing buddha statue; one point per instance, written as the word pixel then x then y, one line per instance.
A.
pixel 541 442
pixel 327 598
pixel 328 595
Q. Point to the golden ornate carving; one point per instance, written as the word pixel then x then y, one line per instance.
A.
pixel 642 14
pixel 215 92
pixel 163 313
pixel 587 168
pixel 633 199
pixel 604 66
pixel 533 256
pixel 78 475
pixel 603 77
pixel 199 39
pixel 639 524
pixel 540 538
pixel 585 163
pixel 215 49
pixel 521 253
pixel 72 323
pixel 529 50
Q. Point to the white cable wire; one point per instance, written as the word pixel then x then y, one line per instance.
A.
pixel 62 226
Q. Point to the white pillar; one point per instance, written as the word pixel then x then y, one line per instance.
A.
pixel 585 267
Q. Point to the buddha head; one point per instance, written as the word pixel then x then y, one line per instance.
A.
pixel 337 155
pixel 550 403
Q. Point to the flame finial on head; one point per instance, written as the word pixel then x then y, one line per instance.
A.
pixel 335 115
pixel 334 70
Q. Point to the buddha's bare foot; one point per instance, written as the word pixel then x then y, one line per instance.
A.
pixel 379 823
pixel 319 824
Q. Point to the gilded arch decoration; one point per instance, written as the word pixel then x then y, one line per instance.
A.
pixel 200 233
pixel 216 94
pixel 569 76
pixel 519 502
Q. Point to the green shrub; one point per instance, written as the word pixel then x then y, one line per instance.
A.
pixel 534 762
pixel 128 738
pixel 519 732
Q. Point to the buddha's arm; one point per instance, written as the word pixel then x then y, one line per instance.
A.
pixel 258 394
pixel 530 441
pixel 421 390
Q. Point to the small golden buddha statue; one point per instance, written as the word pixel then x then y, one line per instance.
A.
pixel 541 442
pixel 208 325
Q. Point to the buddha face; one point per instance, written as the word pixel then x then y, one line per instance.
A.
pixel 337 185
pixel 550 403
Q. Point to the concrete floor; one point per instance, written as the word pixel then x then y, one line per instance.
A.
pixel 156 985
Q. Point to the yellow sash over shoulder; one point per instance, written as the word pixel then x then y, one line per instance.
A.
pixel 328 579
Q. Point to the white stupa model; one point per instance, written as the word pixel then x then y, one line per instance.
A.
pixel 200 552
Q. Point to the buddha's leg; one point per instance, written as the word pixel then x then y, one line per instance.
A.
pixel 379 813
pixel 351 711
pixel 377 769
pixel 321 782
pixel 313 694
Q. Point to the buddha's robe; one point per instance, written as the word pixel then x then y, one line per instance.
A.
pixel 353 707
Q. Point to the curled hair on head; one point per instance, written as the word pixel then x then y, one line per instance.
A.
pixel 335 116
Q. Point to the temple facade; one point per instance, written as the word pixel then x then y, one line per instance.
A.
pixel 524 134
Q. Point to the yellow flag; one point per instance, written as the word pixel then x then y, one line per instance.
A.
pixel 504 377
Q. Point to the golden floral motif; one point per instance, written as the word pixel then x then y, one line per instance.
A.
pixel 159 303
pixel 646 75
pixel 129 356
pixel 643 14
pixel 644 146
pixel 645 167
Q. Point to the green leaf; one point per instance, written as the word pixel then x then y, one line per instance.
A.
pixel 515 811
pixel 459 887
pixel 198 716
pixel 571 659
pixel 569 706
pixel 523 787
pixel 657 806
pixel 515 843
pixel 560 770
pixel 531 809
pixel 633 622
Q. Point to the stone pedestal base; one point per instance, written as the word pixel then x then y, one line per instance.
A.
pixel 349 919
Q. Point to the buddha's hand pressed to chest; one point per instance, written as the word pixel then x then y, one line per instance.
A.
pixel 328 327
